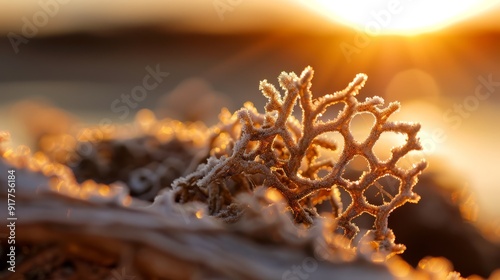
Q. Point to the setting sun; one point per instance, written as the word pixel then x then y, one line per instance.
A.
pixel 404 17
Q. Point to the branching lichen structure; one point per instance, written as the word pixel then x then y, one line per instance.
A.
pixel 211 202
pixel 287 154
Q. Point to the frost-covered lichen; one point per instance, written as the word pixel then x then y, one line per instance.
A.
pixel 287 155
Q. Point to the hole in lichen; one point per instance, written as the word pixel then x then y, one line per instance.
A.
pixel 410 159
pixel 355 168
pixel 338 140
pixel 280 149
pixel 388 140
pixel 252 146
pixel 382 191
pixel 345 197
pixel 326 205
pixel 364 221
pixel 328 147
pixel 361 126
pixel 323 172
pixel 297 112
pixel 331 112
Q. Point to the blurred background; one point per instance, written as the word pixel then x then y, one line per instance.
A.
pixel 440 59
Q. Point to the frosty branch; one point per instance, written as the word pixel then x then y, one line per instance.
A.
pixel 287 153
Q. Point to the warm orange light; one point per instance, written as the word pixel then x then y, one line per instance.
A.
pixel 199 214
pixel 127 201
pixel 399 267
pixel 146 119
pixel 273 195
pixel 4 136
pixel 404 17
pixel 104 190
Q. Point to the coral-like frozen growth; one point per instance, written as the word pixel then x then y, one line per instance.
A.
pixel 288 155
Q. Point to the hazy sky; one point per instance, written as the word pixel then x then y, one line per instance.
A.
pixel 55 16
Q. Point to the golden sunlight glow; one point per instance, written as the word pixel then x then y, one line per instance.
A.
pixel 199 214
pixel 423 86
pixel 403 17
pixel 438 267
pixel 4 135
pixel 104 190
pixel 434 133
pixel 274 195
pixel 399 267
pixel 127 201
pixel 146 119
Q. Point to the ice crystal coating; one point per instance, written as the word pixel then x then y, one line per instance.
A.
pixel 275 145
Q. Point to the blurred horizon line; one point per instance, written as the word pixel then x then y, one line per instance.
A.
pixel 55 17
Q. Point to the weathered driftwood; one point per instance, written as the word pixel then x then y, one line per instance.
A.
pixel 111 237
